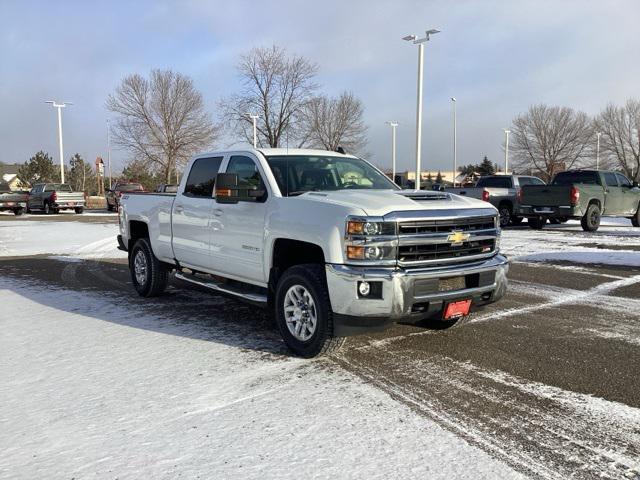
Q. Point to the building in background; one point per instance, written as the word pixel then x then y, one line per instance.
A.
pixel 9 173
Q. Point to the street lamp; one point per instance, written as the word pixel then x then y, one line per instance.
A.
pixel 455 142
pixel 420 42
pixel 598 150
pixel 506 150
pixel 254 117
pixel 109 152
pixel 393 126
pixel 60 106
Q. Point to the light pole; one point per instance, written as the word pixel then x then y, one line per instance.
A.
pixel 60 106
pixel 393 126
pixel 506 150
pixel 109 152
pixel 598 150
pixel 455 142
pixel 254 118
pixel 420 42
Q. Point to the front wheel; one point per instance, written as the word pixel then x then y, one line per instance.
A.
pixel 148 274
pixel 591 220
pixel 79 210
pixel 303 312
pixel 18 211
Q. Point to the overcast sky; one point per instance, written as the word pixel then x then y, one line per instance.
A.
pixel 495 57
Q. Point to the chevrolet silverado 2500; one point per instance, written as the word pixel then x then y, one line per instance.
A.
pixel 323 239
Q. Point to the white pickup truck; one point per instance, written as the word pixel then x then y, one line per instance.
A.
pixel 325 240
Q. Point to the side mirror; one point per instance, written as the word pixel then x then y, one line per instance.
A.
pixel 227 190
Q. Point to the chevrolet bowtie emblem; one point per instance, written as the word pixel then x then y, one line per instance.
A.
pixel 457 238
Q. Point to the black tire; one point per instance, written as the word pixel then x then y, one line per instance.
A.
pixel 537 223
pixel 79 210
pixel 47 209
pixel 109 207
pixel 18 211
pixel 635 220
pixel 505 215
pixel 591 219
pixel 516 220
pixel 312 278
pixel 156 274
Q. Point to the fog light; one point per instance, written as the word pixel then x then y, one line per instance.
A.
pixel 364 288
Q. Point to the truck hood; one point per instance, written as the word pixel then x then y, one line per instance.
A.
pixel 382 202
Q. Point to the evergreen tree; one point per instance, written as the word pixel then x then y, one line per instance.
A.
pixel 486 167
pixel 439 177
pixel 81 177
pixel 139 171
pixel 39 168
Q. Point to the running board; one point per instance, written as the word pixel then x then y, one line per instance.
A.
pixel 222 288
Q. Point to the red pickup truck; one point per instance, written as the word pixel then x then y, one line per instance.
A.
pixel 113 195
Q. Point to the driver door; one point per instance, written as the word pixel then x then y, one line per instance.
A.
pixel 630 195
pixel 238 229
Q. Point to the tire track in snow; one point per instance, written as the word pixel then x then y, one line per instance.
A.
pixel 538 429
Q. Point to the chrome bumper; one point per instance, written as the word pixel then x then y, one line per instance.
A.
pixel 413 293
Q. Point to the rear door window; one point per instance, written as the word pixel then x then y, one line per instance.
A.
pixel 529 181
pixel 610 179
pixel 202 177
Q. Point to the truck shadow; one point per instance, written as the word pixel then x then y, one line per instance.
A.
pixel 103 291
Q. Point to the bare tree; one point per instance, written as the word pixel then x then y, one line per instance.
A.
pixel 335 122
pixel 550 139
pixel 276 86
pixel 620 139
pixel 162 120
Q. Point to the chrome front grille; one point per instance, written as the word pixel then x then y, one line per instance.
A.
pixel 446 240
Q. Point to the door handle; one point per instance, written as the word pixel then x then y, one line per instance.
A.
pixel 217 212
pixel 179 209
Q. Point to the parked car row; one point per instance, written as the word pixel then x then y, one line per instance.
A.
pixel 45 197
pixel 587 195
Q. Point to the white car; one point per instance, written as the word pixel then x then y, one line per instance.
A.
pixel 324 239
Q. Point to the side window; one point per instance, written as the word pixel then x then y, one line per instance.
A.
pixel 248 174
pixel 202 177
pixel 624 181
pixel 610 179
pixel 496 182
pixel 529 181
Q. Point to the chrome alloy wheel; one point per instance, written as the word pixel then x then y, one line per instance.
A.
pixel 140 267
pixel 300 313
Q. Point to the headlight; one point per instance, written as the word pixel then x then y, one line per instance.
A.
pixel 363 227
pixel 371 240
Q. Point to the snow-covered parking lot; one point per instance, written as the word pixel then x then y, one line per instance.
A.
pixel 97 383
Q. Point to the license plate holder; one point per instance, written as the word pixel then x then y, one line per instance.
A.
pixel 457 309
pixel 450 284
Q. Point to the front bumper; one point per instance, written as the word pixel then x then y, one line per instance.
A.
pixel 409 295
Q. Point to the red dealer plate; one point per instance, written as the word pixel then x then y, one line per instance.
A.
pixel 457 309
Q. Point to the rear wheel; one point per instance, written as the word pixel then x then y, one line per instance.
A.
pixel 591 219
pixel 79 210
pixel 109 207
pixel 505 215
pixel 537 223
pixel 635 220
pixel 47 208
pixel 148 274
pixel 303 312
pixel 18 211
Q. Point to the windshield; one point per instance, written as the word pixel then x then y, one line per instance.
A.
pixel 297 174
pixel 570 178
